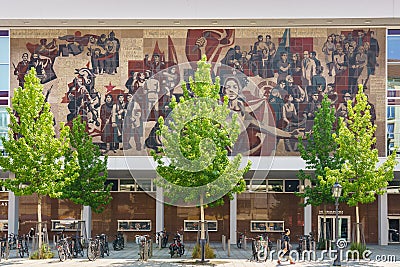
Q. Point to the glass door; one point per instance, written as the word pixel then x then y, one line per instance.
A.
pixel 330 227
pixel 394 229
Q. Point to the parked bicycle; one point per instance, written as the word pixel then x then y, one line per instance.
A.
pixel 93 249
pixel 261 247
pixel 104 249
pixel 64 248
pixel 77 246
pixel 23 246
pixel 305 242
pixel 5 249
pixel 164 238
pixel 240 239
pixel 144 242
pixel 177 247
pixel 119 241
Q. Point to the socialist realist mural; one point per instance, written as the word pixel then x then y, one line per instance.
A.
pixel 120 81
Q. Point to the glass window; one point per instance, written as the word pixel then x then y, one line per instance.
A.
pixel 144 184
pixel 393 51
pixel 259 185
pixel 5 50
pixel 390 130
pixel 292 185
pixel 114 183
pixel 127 185
pixel 248 184
pixel 4 76
pixel 275 185
pixel 3 124
pixel 390 113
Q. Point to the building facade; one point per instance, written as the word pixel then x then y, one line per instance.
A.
pixel 121 75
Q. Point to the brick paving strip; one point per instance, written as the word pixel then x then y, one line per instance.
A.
pixel 239 257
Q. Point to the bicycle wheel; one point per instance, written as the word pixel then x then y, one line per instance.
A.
pixel 61 253
pixel 21 251
pixel 7 252
pixel 239 243
pixel 2 251
pixel 106 249
pixel 102 250
pixel 80 246
pixel 92 251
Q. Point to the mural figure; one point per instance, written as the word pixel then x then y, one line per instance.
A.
pixel 373 53
pixel 117 120
pixel 107 132
pixel 112 54
pixel 21 69
pixel 155 64
pixel 133 124
pixel 82 97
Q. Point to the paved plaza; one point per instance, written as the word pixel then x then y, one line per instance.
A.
pixel 381 256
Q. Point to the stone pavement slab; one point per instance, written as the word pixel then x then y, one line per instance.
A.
pixel 238 258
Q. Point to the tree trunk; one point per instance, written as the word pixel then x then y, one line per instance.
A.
pixel 39 212
pixel 324 221
pixel 358 225
pixel 203 232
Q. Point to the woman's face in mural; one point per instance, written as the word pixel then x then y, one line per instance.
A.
pixel 231 89
pixel 108 98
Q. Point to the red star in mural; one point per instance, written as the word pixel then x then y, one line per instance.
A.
pixel 109 87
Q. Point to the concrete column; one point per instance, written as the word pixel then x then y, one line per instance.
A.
pixel 233 219
pixel 383 223
pixel 307 213
pixel 307 218
pixel 87 217
pixel 13 212
pixel 159 209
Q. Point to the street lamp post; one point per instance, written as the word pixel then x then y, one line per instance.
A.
pixel 336 192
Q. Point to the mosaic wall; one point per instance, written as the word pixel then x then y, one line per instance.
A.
pixel 120 81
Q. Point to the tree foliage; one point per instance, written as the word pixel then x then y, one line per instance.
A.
pixel 319 154
pixel 359 174
pixel 197 135
pixel 35 153
pixel 89 187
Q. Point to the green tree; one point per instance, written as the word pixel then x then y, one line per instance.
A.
pixel 360 176
pixel 319 154
pixel 196 138
pixel 89 188
pixel 35 153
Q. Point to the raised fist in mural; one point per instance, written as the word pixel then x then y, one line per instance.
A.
pixel 201 41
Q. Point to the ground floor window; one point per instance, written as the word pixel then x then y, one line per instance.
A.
pixel 330 227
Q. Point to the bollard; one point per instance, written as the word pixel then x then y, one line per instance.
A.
pixel 146 251
pixel 223 242
pixel 151 248
pixel 244 242
pixel 159 242
pixel 278 244
pixel 229 247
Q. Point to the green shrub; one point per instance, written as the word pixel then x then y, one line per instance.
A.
pixel 45 251
pixel 323 244
pixel 209 252
pixel 357 247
